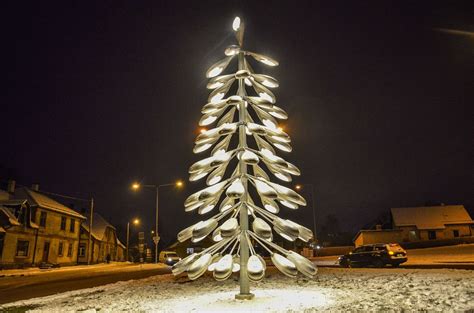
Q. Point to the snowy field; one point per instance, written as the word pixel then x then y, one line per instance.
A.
pixel 332 289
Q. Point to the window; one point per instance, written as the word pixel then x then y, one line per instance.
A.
pixel 82 249
pixel 359 250
pixel 455 233
pixel 60 248
pixel 431 234
pixel 22 248
pixel 42 220
pixel 72 225
pixel 69 249
pixel 63 223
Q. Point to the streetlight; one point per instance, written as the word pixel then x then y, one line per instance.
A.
pixel 136 186
pixel 300 187
pixel 135 221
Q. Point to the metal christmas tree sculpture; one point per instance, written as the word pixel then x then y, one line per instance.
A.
pixel 253 118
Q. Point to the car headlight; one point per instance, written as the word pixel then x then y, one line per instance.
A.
pixel 169 259
pixel 391 252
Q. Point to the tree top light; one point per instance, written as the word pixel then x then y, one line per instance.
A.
pixel 236 23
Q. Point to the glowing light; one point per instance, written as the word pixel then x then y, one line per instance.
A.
pixel 266 96
pixel 136 221
pixel 202 130
pixel 179 183
pixel 298 187
pixel 135 186
pixel 236 23
pixel 215 71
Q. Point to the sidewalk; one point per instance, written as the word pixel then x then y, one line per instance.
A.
pixel 101 267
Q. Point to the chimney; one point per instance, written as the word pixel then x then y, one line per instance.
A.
pixel 35 187
pixel 11 186
pixel 378 227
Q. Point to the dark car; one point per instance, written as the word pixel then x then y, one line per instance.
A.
pixel 377 255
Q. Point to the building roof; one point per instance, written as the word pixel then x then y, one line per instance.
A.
pixel 431 217
pixel 9 214
pixel 45 202
pixel 99 226
pixel 121 244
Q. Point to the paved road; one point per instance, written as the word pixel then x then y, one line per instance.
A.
pixel 27 287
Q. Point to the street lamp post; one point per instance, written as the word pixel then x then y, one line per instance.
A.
pixel 299 187
pixel 156 237
pixel 135 222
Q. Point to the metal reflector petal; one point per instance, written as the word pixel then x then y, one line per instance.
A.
pixel 199 267
pixel 259 172
pixel 249 157
pixel 261 228
pixel 284 265
pixel 228 117
pixel 223 268
pixel 236 189
pixel 263 59
pixel 226 204
pixel 185 234
pixel 203 228
pixel 304 266
pixel 255 268
pixel 218 67
pixel 270 205
pixel 265 190
pixel 232 50
pixel 229 227
pixel 183 264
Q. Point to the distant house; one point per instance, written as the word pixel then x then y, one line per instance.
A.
pixel 17 234
pixel 36 229
pixel 415 224
pixel 104 241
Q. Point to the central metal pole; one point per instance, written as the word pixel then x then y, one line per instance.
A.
pixel 243 215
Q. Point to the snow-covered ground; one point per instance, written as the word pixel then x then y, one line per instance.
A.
pixel 332 289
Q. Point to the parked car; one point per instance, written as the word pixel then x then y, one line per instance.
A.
pixel 168 257
pixel 377 255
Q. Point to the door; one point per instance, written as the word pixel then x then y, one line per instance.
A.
pixel 45 251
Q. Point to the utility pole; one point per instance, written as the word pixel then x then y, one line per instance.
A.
pixel 89 245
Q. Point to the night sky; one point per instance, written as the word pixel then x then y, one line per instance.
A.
pixel 101 93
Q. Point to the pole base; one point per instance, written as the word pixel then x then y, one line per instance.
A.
pixel 244 296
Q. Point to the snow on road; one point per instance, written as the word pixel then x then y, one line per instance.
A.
pixel 332 289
